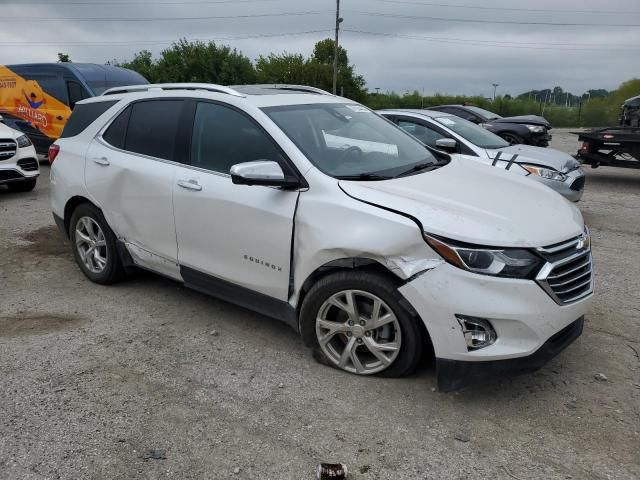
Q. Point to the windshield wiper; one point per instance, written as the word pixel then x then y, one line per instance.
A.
pixel 421 167
pixel 364 176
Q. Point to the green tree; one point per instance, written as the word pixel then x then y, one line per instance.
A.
pixel 142 63
pixel 64 58
pixel 283 68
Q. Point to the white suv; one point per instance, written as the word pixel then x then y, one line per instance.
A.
pixel 19 168
pixel 313 209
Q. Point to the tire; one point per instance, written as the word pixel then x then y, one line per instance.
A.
pixel 23 186
pixel 103 267
pixel 512 138
pixel 320 310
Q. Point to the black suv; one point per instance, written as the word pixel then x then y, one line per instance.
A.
pixel 527 129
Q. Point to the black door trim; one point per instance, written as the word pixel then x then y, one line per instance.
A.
pixel 244 297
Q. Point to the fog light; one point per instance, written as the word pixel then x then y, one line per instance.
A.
pixel 478 332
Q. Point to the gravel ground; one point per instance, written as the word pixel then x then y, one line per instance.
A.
pixel 147 379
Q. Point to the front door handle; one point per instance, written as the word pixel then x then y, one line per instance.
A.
pixel 191 184
pixel 101 161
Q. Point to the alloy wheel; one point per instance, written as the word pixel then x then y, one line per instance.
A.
pixel 91 244
pixel 358 332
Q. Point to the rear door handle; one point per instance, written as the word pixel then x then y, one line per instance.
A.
pixel 191 184
pixel 101 161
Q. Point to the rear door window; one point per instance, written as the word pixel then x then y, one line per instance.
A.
pixel 83 116
pixel 153 127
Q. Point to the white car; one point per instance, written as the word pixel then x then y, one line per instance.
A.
pixel 19 168
pixel 462 138
pixel 313 209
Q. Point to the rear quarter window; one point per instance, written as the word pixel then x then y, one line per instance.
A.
pixel 83 116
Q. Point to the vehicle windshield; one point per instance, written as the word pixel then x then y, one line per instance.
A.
pixel 470 131
pixel 485 113
pixel 351 141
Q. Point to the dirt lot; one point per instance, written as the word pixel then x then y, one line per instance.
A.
pixel 95 380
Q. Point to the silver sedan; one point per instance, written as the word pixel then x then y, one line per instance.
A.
pixel 459 137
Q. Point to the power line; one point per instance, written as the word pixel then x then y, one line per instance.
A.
pixel 486 43
pixel 474 20
pixel 152 3
pixel 158 42
pixel 154 19
pixel 510 9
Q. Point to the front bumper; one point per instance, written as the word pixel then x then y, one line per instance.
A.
pixel 541 139
pixel 523 315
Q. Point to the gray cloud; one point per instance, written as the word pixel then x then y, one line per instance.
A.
pixel 463 61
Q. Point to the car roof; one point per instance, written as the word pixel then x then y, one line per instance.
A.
pixel 416 111
pixel 256 95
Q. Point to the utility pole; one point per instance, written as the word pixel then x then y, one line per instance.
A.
pixel 495 86
pixel 335 51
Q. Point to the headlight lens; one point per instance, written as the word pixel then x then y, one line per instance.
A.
pixel 499 262
pixel 535 128
pixel 547 173
pixel 23 141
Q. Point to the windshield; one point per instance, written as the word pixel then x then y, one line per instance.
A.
pixel 470 131
pixel 485 113
pixel 350 141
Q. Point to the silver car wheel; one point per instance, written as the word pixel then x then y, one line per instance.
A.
pixel 358 332
pixel 91 244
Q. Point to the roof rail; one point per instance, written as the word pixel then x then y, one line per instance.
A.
pixel 284 86
pixel 210 87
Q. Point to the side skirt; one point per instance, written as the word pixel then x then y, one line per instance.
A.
pixel 244 297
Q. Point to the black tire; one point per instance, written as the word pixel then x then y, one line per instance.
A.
pixel 512 138
pixel 412 344
pixel 113 270
pixel 22 186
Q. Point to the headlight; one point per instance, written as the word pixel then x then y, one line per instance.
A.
pixel 535 128
pixel 499 262
pixel 547 173
pixel 23 141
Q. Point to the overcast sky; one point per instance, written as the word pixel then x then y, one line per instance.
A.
pixel 409 51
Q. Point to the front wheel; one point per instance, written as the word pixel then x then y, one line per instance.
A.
pixel 355 322
pixel 511 138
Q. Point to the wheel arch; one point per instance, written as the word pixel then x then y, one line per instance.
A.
pixel 360 264
pixel 70 207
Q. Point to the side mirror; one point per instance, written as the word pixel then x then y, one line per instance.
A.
pixel 447 144
pixel 261 172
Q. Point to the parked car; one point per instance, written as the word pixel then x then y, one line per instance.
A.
pixel 461 138
pixel 19 167
pixel 313 209
pixel 527 129
pixel 37 98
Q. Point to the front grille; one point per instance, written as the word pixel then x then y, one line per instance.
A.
pixel 28 164
pixel 6 175
pixel 578 184
pixel 568 274
pixel 8 148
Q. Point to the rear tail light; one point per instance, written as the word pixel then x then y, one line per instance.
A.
pixel 584 147
pixel 54 150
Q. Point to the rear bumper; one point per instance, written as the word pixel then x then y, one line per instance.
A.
pixel 455 374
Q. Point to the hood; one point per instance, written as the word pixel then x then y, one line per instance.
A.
pixel 6 131
pixel 524 119
pixel 545 157
pixel 470 202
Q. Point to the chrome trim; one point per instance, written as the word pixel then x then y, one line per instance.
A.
pixel 548 274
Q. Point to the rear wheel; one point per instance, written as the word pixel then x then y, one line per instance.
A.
pixel 94 245
pixel 512 138
pixel 354 322
pixel 23 186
